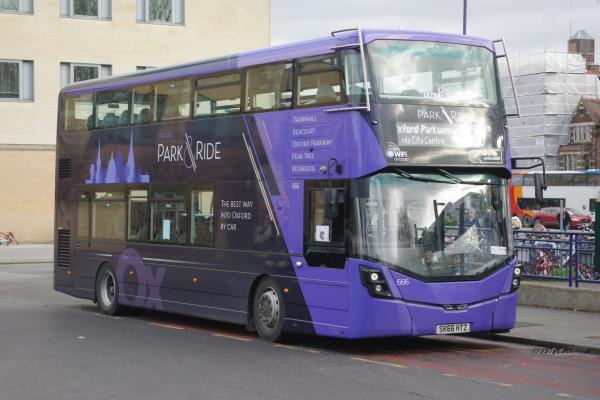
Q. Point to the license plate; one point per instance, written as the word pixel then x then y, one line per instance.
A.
pixel 448 329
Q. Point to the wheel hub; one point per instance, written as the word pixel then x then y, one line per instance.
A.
pixel 107 289
pixel 268 308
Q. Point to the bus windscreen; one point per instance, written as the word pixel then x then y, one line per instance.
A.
pixel 431 225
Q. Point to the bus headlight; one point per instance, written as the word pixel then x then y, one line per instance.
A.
pixel 375 283
pixel 516 280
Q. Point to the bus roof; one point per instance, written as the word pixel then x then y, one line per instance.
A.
pixel 283 52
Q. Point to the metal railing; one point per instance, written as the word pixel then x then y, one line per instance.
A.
pixel 557 255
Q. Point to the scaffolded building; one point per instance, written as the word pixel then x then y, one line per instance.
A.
pixel 549 85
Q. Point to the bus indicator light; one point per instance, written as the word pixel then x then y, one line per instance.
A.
pixel 286 290
pixel 195 279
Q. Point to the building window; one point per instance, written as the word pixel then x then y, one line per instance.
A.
pixel 99 9
pixel 143 68
pixel 75 72
pixel 161 11
pixel 84 8
pixel 17 6
pixel 81 72
pixel 16 80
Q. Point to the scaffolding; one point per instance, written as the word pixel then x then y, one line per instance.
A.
pixel 549 85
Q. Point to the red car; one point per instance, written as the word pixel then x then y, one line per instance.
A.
pixel 549 217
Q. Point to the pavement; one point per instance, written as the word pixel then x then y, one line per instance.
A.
pixel 552 330
pixel 26 253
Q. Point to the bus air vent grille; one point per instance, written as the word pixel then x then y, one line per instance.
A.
pixel 63 258
pixel 64 168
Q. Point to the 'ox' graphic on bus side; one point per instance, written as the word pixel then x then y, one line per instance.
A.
pixel 148 283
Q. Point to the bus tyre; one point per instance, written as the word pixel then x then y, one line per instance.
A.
pixel 107 291
pixel 526 221
pixel 268 310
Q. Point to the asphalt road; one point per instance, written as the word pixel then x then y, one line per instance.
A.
pixel 56 347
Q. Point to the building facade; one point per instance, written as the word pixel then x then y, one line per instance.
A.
pixel 45 45
pixel 582 43
pixel 583 150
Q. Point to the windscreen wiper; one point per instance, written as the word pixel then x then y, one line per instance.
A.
pixel 406 175
pixel 456 179
pixel 448 175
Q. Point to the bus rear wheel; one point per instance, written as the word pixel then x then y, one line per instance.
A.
pixel 268 310
pixel 526 221
pixel 107 291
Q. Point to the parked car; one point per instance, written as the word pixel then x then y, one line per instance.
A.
pixel 549 217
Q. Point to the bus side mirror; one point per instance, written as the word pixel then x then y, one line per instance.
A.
pixel 538 183
pixel 331 203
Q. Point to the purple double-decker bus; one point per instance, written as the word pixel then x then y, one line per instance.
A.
pixel 350 186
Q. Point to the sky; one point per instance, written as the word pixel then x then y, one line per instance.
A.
pixel 528 26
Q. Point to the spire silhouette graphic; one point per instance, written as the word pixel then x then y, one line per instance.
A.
pixel 116 171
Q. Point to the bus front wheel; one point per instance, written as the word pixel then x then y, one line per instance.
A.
pixel 268 310
pixel 107 291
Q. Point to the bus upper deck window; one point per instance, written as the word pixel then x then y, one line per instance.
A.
pixel 112 109
pixel 141 103
pixel 79 112
pixel 269 87
pixel 172 100
pixel 319 82
pixel 217 96
pixel 353 77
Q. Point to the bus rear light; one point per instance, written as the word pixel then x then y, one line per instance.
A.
pixel 131 273
pixel 194 280
pixel 375 283
pixel 286 290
